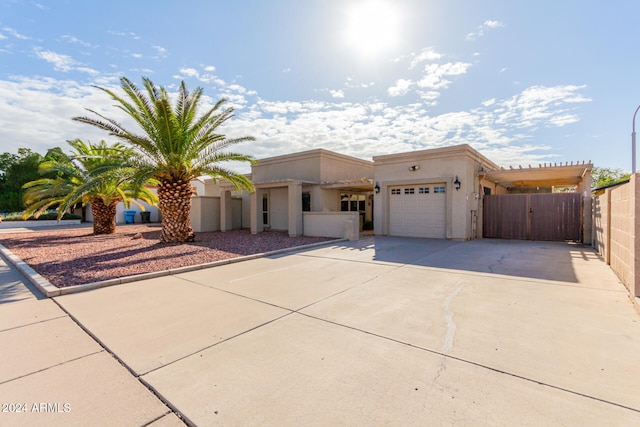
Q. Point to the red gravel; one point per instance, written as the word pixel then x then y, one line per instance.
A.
pixel 75 256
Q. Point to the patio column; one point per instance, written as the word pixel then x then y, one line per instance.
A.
pixel 295 209
pixel 226 212
pixel 255 208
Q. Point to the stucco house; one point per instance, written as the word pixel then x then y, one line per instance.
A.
pixel 312 193
pixel 449 192
pixel 431 193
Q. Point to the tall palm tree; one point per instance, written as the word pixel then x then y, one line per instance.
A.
pixel 175 146
pixel 98 174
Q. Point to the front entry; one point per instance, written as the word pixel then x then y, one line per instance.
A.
pixel 551 217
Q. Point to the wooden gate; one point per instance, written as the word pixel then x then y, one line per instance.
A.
pixel 555 216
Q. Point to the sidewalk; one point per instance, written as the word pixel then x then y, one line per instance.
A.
pixel 53 373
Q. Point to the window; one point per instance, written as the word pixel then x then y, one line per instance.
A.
pixel 395 191
pixel 423 190
pixel 438 189
pixel 352 202
pixel 265 209
pixel 409 190
pixel 306 202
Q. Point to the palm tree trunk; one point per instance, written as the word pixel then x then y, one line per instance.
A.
pixel 175 206
pixel 104 216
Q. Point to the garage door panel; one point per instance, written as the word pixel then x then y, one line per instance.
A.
pixel 417 213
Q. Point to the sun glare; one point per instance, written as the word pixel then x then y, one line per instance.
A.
pixel 373 27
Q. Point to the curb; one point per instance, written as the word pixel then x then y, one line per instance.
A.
pixel 49 290
pixel 43 285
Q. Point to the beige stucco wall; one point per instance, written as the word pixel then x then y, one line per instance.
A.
pixel 332 224
pixel 153 210
pixel 205 213
pixel 434 166
pixel 285 178
pixel 315 166
pixel 278 208
pixel 616 231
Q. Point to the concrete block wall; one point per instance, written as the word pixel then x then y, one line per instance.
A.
pixel 616 233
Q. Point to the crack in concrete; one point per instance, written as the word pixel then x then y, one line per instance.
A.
pixel 451 325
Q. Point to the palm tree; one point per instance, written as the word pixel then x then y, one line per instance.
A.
pixel 174 147
pixel 98 174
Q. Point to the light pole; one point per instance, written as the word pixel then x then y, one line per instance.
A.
pixel 633 143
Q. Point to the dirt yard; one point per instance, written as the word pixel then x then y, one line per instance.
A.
pixel 69 257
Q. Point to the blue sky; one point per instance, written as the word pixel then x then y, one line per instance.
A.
pixel 522 82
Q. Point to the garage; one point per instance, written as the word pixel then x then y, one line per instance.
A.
pixel 418 210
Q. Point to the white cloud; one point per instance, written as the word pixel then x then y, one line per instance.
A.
pixel 130 34
pixel 429 97
pixel 60 62
pixel 427 54
pixel 435 74
pixel 189 72
pixel 41 110
pixel 162 52
pixel 14 33
pixel 75 40
pixel 351 83
pixel 483 28
pixel 88 70
pixel 400 88
pixel 337 93
pixel 493 24
pixel 541 106
pixel 36 113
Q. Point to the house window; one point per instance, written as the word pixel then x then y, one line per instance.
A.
pixel 352 202
pixel 265 209
pixel 409 190
pixel 438 189
pixel 423 190
pixel 306 202
pixel 395 191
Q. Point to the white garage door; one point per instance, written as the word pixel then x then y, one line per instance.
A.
pixel 418 211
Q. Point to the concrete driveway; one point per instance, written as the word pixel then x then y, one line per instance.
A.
pixel 383 331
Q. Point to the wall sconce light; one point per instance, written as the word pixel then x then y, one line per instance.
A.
pixel 456 183
pixel 377 188
pixel 414 168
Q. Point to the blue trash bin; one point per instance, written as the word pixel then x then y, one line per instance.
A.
pixel 129 217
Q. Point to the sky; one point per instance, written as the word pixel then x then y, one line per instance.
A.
pixel 524 83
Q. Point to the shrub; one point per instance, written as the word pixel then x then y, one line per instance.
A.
pixel 17 216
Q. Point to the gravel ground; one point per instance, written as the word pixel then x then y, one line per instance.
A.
pixel 75 256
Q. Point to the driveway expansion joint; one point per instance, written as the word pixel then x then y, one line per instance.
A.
pixel 52 366
pixel 106 349
pixel 476 364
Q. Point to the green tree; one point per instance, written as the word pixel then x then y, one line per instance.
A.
pixel 174 145
pixel 15 171
pixel 602 177
pixel 98 174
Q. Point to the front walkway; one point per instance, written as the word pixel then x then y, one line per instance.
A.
pixel 383 331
